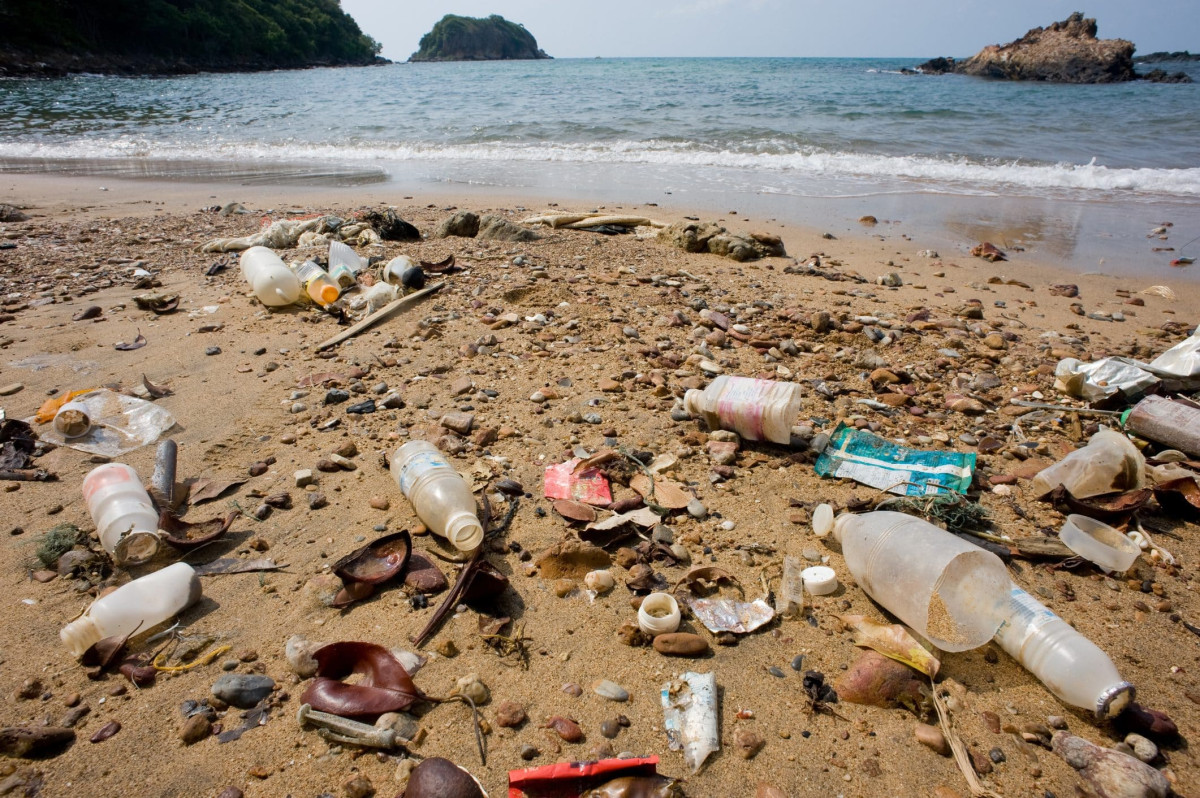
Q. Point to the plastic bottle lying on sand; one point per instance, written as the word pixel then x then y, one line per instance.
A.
pixel 125 518
pixel 755 409
pixel 442 499
pixel 1109 463
pixel 951 592
pixel 317 283
pixel 344 264
pixel 141 604
pixel 273 282
pixel 1072 667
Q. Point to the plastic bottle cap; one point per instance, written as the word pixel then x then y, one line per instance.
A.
pixel 659 614
pixel 820 580
pixel 329 294
pixel 822 520
pixel 1099 543
pixel 691 401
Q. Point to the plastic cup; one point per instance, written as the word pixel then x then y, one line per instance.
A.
pixel 1099 543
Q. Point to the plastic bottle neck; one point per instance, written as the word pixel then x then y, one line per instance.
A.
pixel 80 635
pixel 464 531
pixel 692 400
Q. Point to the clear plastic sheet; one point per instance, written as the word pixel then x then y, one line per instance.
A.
pixel 120 424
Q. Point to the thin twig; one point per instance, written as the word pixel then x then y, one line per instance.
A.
pixel 961 757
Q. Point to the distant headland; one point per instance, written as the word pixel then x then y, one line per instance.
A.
pixel 1064 52
pixel 456 38
pixel 163 37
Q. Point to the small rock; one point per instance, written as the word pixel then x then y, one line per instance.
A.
pixel 379 502
pixel 243 690
pixel 472 687
pixel 316 501
pixel 696 509
pixel 606 688
pixel 358 786
pixel 212 350
pixel 304 477
pixel 1111 773
pixel 336 396
pixel 681 644
pixel 610 728
pixel 198 727
pixel 529 752
pixel 747 743
pixel 11 388
pixel 1142 747
pixel 509 715
pixel 459 422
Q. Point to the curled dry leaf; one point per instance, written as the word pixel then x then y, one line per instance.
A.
pixel 575 511
pixel 565 728
pixel 876 681
pixel 376 562
pixel 642 579
pixel 136 343
pixel 103 653
pixel 891 640
pixel 384 686
pixel 157 391
pixel 662 492
pixel 158 303
pixel 1110 508
pixel 236 565
pixel 184 535
pixel 205 490
pixel 439 267
pixel 486 583
pixel 702 579
pixel 1179 496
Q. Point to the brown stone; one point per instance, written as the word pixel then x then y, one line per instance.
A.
pixel 459 422
pixel 747 743
pixel 932 737
pixel 681 644
pixel 379 502
pixel 509 714
pixel 196 728
pixel 609 385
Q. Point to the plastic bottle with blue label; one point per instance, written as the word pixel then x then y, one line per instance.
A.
pixel 441 498
pixel 1072 667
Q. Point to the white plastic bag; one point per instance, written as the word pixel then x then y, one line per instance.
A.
pixel 690 716
pixel 1182 360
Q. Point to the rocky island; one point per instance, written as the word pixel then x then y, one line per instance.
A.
pixel 456 38
pixel 173 37
pixel 1064 52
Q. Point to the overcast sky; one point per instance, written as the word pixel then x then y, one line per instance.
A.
pixel 879 28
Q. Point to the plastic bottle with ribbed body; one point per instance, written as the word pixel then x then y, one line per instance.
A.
pixel 1072 667
pixel 948 590
pixel 125 518
pixel 138 605
pixel 441 498
pixel 317 283
pixel 757 410
pixel 273 282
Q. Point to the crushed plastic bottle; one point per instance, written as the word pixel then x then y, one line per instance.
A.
pixel 757 410
pixel 1108 464
pixel 125 518
pixel 1072 667
pixel 690 716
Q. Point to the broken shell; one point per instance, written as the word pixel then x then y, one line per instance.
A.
pixel 440 778
pixel 599 581
pixel 298 652
pixel 875 680
pixel 472 687
pixel 384 686
pixel 377 561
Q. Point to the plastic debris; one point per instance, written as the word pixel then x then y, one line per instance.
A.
pixel 729 615
pixel 575 779
pixel 690 716
pixel 120 424
pixel 589 486
pixel 867 458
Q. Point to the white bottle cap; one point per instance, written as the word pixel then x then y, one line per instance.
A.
pixel 659 614
pixel 820 580
pixel 822 520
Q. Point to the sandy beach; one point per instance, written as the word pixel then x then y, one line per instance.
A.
pixel 619 341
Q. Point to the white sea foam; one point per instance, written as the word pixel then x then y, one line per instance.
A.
pixel 768 161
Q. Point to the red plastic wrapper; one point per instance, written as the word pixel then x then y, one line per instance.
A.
pixel 572 779
pixel 589 486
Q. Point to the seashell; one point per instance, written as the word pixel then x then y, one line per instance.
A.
pixel 599 581
pixel 606 688
pixel 1111 773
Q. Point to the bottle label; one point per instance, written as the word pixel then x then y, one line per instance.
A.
pixel 416 466
pixel 741 406
pixel 1026 615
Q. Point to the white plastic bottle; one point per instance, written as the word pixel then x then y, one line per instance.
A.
pixel 441 498
pixel 1072 667
pixel 273 282
pixel 951 592
pixel 141 604
pixel 755 409
pixel 317 283
pixel 125 519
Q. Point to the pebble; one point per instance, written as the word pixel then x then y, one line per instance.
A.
pixel 798 662
pixel 243 690
pixel 11 388
pixel 316 501
pixel 610 728
pixel 358 786
pixel 303 477
pixel 529 752
pixel 379 502
pixel 776 672
pixel 606 688
pixel 297 407
pixel 212 350
pixel 336 396
pixel 997 756
pixel 196 728
pixel 572 689
pixel 509 714
pixel 1143 748
pixel 747 742
pixel 696 509
pixel 931 737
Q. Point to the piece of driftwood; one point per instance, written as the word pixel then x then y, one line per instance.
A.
pixel 384 312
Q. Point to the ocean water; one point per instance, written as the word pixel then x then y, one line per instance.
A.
pixel 792 138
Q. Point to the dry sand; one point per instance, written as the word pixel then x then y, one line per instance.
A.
pixel 79 248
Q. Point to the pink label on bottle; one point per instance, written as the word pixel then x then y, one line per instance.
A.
pixel 741 406
pixel 100 479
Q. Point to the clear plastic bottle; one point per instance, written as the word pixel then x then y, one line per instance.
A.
pixel 317 283
pixel 951 592
pixel 755 409
pixel 344 264
pixel 273 282
pixel 141 604
pixel 441 498
pixel 1072 667
pixel 125 518
pixel 1109 463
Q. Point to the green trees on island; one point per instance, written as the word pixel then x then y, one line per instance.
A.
pixel 456 38
pixel 180 35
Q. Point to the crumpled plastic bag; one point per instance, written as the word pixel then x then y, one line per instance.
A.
pixel 282 234
pixel 120 424
pixel 1179 367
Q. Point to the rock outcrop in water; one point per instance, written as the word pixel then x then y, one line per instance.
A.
pixel 456 38
pixel 1065 52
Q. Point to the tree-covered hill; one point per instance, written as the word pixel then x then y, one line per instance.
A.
pixel 172 36
pixel 456 38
